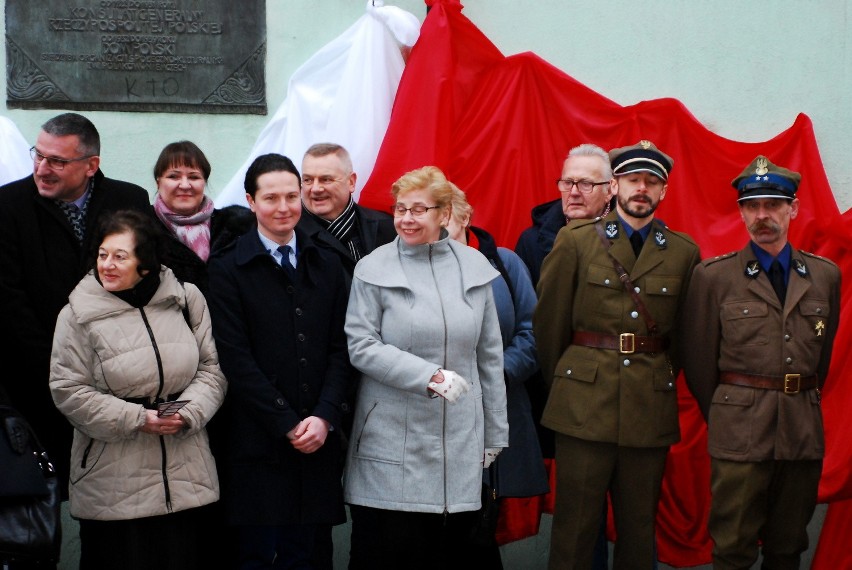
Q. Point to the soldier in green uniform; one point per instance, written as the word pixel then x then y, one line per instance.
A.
pixel 756 351
pixel 606 347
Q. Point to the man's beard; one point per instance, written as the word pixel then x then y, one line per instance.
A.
pixel 628 209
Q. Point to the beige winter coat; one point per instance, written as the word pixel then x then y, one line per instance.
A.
pixel 105 351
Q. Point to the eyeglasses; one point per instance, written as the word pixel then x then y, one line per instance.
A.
pixel 584 186
pixel 52 162
pixel 322 181
pixel 399 210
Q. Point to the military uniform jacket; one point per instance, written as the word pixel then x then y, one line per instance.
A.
pixel 599 394
pixel 738 325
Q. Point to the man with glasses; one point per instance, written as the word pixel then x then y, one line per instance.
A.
pixel 585 193
pixel 331 216
pixel 610 299
pixel 46 221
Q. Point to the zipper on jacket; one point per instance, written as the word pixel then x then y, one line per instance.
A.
pixel 163 456
pixel 444 401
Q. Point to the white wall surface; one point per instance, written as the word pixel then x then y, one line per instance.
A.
pixel 744 69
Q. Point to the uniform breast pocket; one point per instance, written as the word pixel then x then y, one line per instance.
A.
pixel 815 313
pixel 744 323
pixel 661 292
pixel 603 291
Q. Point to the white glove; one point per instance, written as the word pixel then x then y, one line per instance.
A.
pixel 451 387
pixel 490 456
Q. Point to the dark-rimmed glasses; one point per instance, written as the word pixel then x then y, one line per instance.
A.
pixel 52 162
pixel 398 210
pixel 584 186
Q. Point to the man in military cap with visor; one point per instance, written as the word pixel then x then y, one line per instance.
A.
pixel 756 350
pixel 610 296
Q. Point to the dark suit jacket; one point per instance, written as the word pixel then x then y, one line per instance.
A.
pixel 736 324
pixel 40 264
pixel 374 228
pixel 283 349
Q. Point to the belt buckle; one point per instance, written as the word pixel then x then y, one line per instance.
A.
pixel 789 379
pixel 626 343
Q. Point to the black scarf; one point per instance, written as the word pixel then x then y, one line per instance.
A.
pixel 142 294
pixel 345 229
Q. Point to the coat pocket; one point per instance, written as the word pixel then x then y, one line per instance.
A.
pixel 729 424
pixel 815 313
pixel 572 396
pixel 744 323
pixel 383 432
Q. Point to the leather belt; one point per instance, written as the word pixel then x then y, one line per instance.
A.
pixel 625 343
pixel 151 403
pixel 788 383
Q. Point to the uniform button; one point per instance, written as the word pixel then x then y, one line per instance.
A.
pixel 670 384
pixel 745 311
pixel 301 337
pixel 787 337
pixel 627 362
pixel 303 362
pixel 665 289
pixel 305 388
pixel 290 289
pixel 568 372
pixel 344 407
pixel 606 281
pixel 726 398
pixel 636 289
pixel 819 310
pixel 298 311
pixel 788 360
pixel 279 401
pixel 634 314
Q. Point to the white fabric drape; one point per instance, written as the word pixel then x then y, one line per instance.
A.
pixel 15 161
pixel 343 94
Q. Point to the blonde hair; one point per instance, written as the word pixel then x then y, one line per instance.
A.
pixel 429 178
pixel 462 210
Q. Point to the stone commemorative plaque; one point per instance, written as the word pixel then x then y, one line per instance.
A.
pixel 179 56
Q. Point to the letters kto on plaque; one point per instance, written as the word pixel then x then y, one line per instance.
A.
pixel 179 56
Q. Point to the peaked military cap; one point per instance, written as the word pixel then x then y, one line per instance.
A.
pixel 762 179
pixel 640 157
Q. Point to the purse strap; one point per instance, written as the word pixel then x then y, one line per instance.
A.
pixel 624 277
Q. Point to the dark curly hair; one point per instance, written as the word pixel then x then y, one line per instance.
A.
pixel 148 237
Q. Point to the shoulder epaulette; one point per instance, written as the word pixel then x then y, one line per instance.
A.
pixel 711 260
pixel 815 256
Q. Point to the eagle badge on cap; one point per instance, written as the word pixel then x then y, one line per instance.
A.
pixel 762 166
pixel 753 269
pixel 612 230
pixel 646 144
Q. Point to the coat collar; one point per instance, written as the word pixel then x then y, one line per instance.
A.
pixel 250 250
pixel 383 267
pixel 799 280
pixel 653 253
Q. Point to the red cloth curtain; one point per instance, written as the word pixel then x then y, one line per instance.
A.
pixel 500 128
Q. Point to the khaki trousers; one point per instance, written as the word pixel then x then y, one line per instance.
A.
pixel 585 471
pixel 767 501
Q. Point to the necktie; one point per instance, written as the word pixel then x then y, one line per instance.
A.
pixel 637 242
pixel 776 277
pixel 285 262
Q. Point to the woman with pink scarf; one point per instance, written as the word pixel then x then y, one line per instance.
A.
pixel 188 215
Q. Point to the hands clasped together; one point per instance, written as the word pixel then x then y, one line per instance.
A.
pixel 309 434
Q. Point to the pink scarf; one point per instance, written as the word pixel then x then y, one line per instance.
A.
pixel 193 231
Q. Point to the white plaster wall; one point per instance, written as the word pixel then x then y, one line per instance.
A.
pixel 744 69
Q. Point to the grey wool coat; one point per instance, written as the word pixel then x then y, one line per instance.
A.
pixel 413 310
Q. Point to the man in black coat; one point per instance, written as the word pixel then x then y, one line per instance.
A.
pixel 46 224
pixel 330 216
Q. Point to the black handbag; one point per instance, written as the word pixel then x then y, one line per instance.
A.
pixel 29 494
pixel 483 532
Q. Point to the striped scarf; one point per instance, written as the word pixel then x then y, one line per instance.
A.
pixel 345 230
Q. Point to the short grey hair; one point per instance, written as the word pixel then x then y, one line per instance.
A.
pixel 68 124
pixel 588 149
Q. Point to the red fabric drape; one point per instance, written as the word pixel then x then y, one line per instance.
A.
pixel 500 128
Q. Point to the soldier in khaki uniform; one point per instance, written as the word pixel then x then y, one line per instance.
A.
pixel 606 347
pixel 755 354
